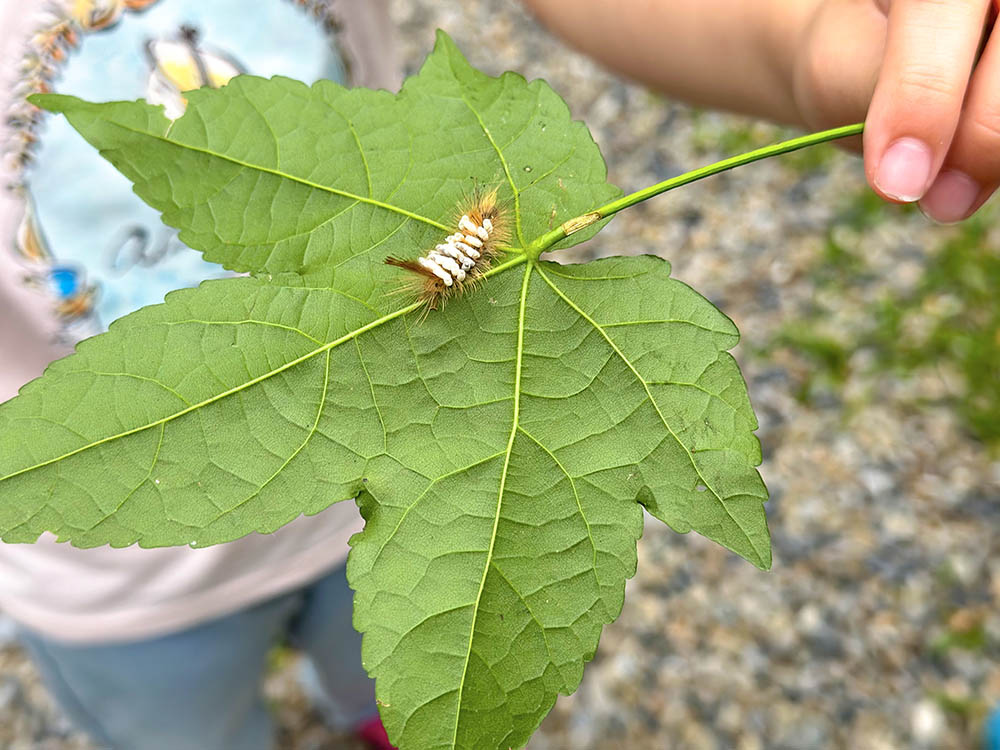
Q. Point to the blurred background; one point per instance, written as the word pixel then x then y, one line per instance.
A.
pixel 871 347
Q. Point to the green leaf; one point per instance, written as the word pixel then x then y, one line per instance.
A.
pixel 501 450
pixel 483 589
pixel 273 175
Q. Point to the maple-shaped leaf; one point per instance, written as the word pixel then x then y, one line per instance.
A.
pixel 501 450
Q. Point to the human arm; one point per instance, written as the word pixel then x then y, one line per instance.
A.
pixel 905 70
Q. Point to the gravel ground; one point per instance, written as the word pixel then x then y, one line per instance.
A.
pixel 878 626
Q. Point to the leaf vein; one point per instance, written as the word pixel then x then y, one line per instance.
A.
pixel 235 389
pixel 576 495
pixel 245 321
pixel 531 612
pixel 143 378
pixel 503 482
pixel 656 406
pixel 152 465
pixel 663 320
pixel 424 492
pixel 371 385
pixel 506 169
pixel 297 451
pixel 286 176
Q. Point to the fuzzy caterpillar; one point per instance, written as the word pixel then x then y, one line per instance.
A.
pixel 457 263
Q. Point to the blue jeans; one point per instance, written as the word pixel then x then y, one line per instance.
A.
pixel 200 688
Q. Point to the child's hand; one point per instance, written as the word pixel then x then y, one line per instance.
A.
pixel 933 123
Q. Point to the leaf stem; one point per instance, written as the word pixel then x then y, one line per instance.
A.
pixel 547 240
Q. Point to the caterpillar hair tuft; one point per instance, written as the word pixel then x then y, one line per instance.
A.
pixel 457 263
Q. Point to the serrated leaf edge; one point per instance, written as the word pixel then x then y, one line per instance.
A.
pixel 763 558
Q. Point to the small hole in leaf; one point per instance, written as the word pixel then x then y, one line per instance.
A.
pixel 527 169
pixel 700 487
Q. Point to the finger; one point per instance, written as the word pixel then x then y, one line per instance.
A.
pixel 831 88
pixel 972 167
pixel 930 50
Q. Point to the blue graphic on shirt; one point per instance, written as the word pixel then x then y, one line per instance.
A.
pixel 93 244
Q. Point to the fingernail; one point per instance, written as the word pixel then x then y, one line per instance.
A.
pixel 905 170
pixel 951 197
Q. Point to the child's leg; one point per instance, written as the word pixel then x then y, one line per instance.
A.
pixel 199 688
pixel 324 631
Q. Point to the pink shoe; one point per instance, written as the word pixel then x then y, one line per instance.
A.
pixel 373 734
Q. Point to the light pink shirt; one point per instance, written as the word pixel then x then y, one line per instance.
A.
pixel 107 595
